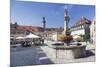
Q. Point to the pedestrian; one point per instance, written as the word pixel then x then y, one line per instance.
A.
pixel 42 41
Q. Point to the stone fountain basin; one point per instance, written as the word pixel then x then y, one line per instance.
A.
pixel 67 52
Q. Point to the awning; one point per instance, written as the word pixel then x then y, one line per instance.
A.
pixel 32 36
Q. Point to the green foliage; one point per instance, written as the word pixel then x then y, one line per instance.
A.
pixel 82 37
pixel 65 38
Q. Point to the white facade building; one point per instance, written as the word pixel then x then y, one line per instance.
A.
pixel 77 31
pixel 55 36
pixel 82 27
pixel 93 32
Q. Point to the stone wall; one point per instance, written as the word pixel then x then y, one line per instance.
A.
pixel 68 52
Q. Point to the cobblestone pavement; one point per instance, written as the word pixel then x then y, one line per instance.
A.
pixel 23 56
pixel 90 51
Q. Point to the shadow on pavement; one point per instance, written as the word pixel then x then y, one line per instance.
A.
pixel 24 56
pixel 42 57
pixel 88 54
pixel 40 45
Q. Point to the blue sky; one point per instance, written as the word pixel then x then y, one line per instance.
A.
pixel 31 13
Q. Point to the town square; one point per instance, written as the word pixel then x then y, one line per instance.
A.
pixel 50 33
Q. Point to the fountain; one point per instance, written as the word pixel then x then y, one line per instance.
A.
pixel 67 51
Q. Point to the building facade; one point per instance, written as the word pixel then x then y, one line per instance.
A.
pixel 93 31
pixel 21 30
pixel 82 27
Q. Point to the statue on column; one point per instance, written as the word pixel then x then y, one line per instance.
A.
pixel 66 21
pixel 66 37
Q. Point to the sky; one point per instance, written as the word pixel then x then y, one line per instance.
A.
pixel 31 13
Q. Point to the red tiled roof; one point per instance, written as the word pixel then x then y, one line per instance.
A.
pixel 30 28
pixel 82 21
pixel 26 28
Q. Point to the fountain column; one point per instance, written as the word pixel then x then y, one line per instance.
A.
pixel 66 21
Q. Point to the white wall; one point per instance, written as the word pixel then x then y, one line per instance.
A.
pixel 78 32
pixel 54 37
pixel 93 32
